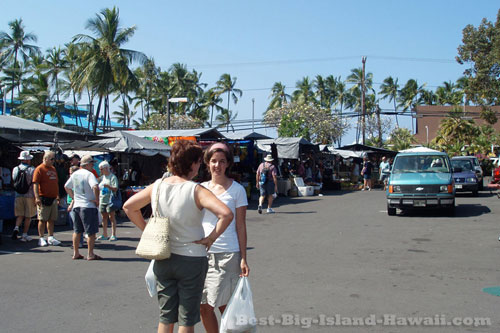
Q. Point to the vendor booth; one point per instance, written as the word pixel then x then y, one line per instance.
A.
pixel 291 152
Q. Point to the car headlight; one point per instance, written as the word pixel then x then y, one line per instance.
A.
pixel 443 188
pixel 471 180
pixel 394 189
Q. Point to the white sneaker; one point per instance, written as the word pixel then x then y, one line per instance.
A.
pixel 53 241
pixel 26 238
pixel 270 211
pixel 42 242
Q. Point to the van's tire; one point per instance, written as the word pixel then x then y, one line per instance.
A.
pixel 391 211
pixel 475 193
pixel 450 211
pixel 481 185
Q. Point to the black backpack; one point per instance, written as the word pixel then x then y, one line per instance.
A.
pixel 22 182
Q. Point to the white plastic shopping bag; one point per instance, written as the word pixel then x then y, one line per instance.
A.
pixel 151 280
pixel 239 316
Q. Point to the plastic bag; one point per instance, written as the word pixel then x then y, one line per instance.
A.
pixel 239 316
pixel 151 280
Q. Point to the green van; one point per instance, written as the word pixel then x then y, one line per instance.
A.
pixel 421 178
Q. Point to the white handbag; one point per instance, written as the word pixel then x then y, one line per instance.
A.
pixel 155 241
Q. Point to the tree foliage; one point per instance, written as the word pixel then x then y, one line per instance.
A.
pixel 306 120
pixel 480 48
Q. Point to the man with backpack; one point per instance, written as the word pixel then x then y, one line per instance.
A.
pixel 24 206
pixel 267 183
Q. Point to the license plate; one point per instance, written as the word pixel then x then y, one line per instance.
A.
pixel 419 203
pixel 458 186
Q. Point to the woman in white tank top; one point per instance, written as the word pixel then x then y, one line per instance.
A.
pixel 180 279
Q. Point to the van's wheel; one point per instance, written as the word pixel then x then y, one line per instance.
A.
pixel 475 193
pixel 481 185
pixel 391 211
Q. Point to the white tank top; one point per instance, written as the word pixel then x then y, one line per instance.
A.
pixel 177 202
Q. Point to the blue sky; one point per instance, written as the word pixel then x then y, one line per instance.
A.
pixel 261 42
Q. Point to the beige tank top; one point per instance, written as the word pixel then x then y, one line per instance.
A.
pixel 177 202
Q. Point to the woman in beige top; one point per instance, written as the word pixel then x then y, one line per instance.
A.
pixel 180 279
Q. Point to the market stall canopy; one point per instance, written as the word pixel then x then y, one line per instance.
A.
pixel 287 147
pixel 245 135
pixel 122 142
pixel 368 149
pixel 20 130
pixel 342 153
pixel 201 133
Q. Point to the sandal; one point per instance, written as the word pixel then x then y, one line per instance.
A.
pixel 95 257
pixel 78 257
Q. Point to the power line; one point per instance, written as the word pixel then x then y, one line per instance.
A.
pixel 326 59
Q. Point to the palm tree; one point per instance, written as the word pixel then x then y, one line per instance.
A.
pixel 69 85
pixel 448 94
pixel 227 84
pixel 56 63
pixel 17 43
pixel 390 89
pixel 427 97
pixel 212 100
pixel 104 63
pixel 279 96
pixel 342 97
pixel 226 117
pixel 408 97
pixel 147 76
pixel 304 93
pixel 356 77
pixel 125 115
pixel 322 92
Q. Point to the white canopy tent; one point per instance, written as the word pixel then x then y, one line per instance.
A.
pixel 286 147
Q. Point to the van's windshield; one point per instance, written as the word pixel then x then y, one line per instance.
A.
pixel 421 163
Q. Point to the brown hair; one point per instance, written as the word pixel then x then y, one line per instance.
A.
pixel 228 152
pixel 184 153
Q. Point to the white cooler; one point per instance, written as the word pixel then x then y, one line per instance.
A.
pixel 303 189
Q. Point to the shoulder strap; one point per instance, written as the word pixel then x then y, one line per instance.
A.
pixel 157 199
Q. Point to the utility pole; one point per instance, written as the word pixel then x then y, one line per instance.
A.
pixel 168 112
pixel 253 114
pixel 363 109
pixel 379 127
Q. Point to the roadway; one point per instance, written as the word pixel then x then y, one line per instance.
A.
pixel 317 265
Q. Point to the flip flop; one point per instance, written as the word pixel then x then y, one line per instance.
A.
pixel 95 257
pixel 79 257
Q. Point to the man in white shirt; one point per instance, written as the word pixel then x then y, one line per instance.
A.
pixel 83 188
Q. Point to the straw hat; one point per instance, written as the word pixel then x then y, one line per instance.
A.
pixel 87 159
pixel 25 156
pixel 268 158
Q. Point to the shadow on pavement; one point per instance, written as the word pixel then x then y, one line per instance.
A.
pixel 462 210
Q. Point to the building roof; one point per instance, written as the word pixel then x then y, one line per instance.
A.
pixel 428 119
pixel 16 123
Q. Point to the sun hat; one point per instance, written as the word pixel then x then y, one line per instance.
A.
pixel 104 165
pixel 268 158
pixel 25 156
pixel 87 159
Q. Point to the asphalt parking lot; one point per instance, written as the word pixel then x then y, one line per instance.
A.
pixel 320 264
